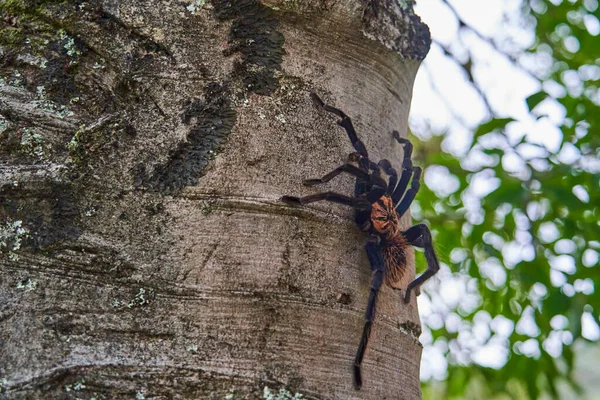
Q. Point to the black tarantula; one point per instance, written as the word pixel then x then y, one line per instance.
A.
pixel 378 209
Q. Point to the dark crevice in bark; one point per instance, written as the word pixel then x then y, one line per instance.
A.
pixel 87 261
pixel 211 121
pixel 48 212
pixel 254 35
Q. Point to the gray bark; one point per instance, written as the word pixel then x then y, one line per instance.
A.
pixel 144 147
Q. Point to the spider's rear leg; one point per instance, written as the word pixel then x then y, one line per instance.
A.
pixel 378 268
pixel 344 122
pixel 420 236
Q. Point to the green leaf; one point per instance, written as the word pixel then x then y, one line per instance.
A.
pixel 535 99
pixel 492 125
pixel 530 205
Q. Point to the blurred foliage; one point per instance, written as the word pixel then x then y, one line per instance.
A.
pixel 530 245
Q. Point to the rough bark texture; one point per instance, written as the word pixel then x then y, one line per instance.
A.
pixel 144 146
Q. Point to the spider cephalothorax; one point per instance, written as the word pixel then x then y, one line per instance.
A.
pixel 378 207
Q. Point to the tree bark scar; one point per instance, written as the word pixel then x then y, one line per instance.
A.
pixel 211 121
pixel 255 36
pixel 112 24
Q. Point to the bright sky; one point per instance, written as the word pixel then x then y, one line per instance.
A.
pixel 444 101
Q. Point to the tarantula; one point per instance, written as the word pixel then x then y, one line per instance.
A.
pixel 378 209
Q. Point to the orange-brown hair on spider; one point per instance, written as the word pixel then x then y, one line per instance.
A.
pixel 378 206
pixel 384 218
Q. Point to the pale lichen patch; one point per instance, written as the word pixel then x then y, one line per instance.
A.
pixel 3 124
pixel 116 303
pixel 30 59
pixel 15 80
pixel 144 297
pixel 195 6
pixel 282 394
pixel 78 385
pixel 32 143
pixel 69 44
pixel 406 4
pixel 42 102
pixel 27 284
pixel 192 348
pixel 12 234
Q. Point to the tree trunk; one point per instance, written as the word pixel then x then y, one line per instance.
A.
pixel 144 147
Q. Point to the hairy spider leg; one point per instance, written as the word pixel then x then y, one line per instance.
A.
pixel 328 196
pixel 356 202
pixel 420 236
pixel 363 162
pixel 362 218
pixel 407 168
pixel 361 186
pixel 410 193
pixel 378 270
pixel 361 156
pixel 371 184
pixel 345 122
pixel 364 186
pixel 391 172
pixel 350 169
pixel 375 168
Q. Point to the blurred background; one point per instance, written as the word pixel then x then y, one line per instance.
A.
pixel 505 117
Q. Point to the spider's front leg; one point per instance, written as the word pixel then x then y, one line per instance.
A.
pixel 345 122
pixel 420 236
pixel 386 166
pixel 327 196
pixel 377 184
pixel 374 181
pixel 350 169
pixel 407 168
pixel 410 194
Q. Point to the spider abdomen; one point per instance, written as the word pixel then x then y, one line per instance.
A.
pixel 394 254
